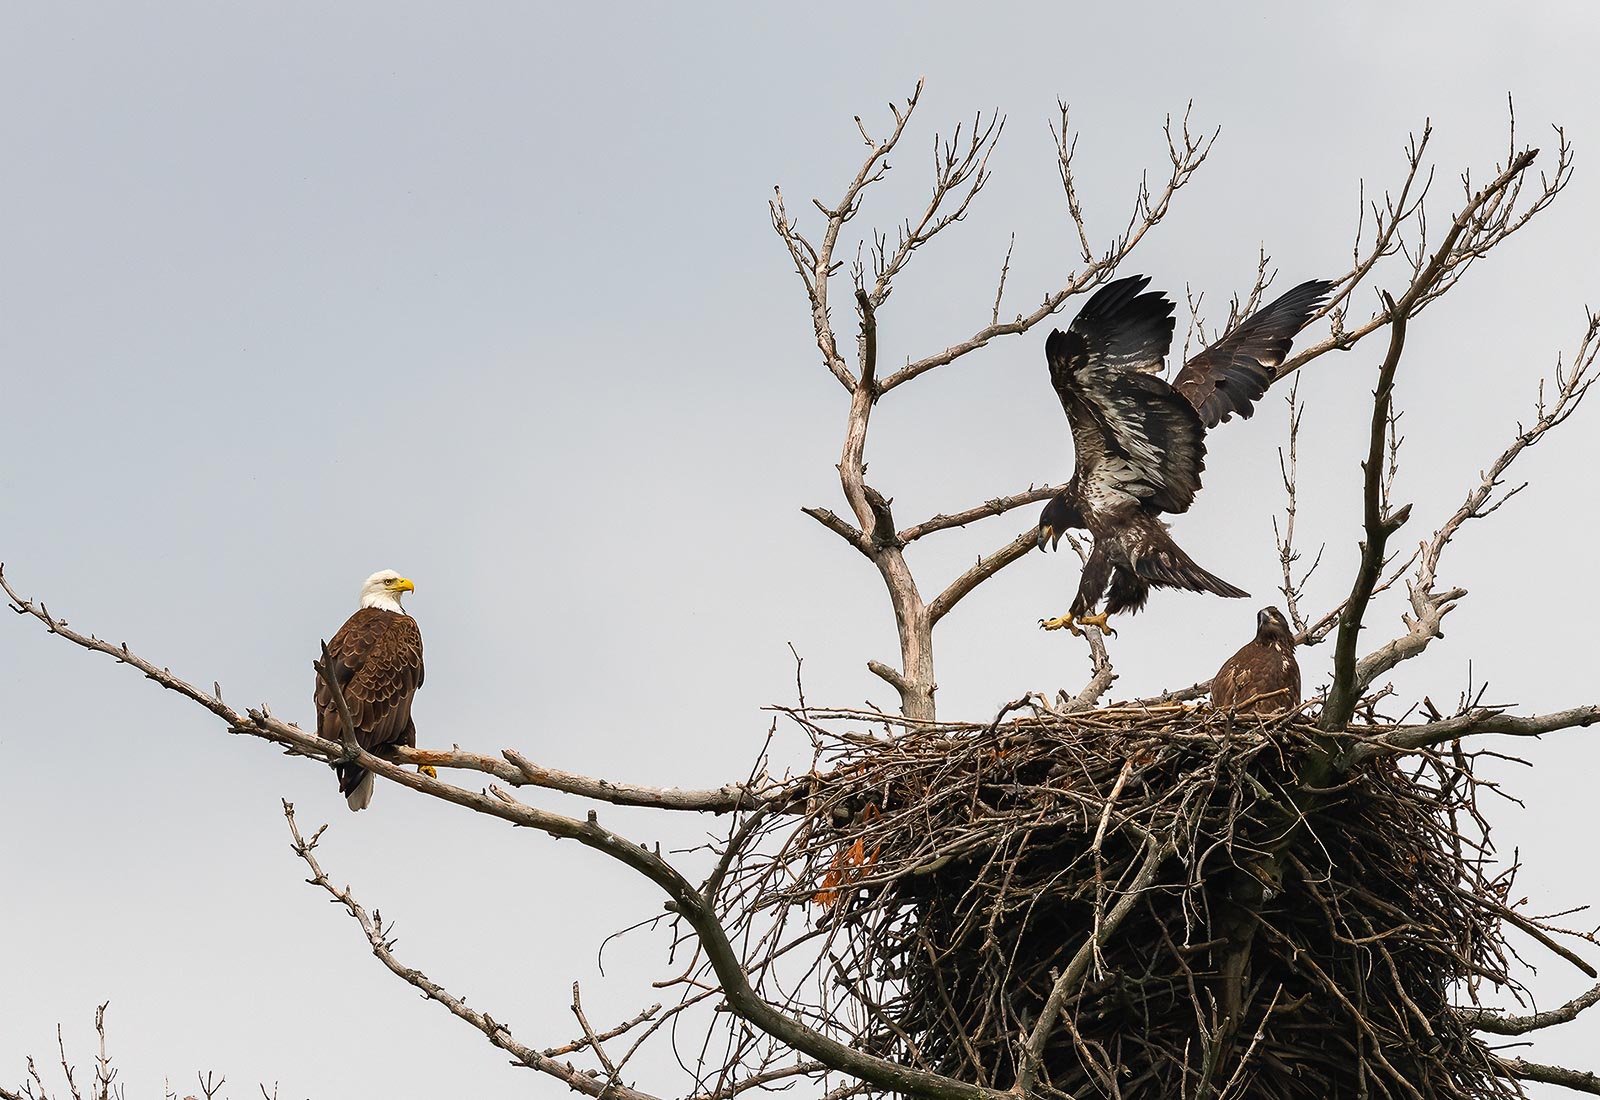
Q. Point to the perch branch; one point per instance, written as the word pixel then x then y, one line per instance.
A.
pixel 1101 675
pixel 514 770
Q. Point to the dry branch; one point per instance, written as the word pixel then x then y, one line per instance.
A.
pixel 1577 1080
pixel 1380 523
pixel 1500 1023
pixel 588 1083
pixel 513 769
pixel 1429 603
pixel 1488 217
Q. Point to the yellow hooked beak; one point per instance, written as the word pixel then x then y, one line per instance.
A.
pixel 402 584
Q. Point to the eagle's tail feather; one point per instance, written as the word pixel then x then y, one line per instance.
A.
pixel 355 783
pixel 1167 566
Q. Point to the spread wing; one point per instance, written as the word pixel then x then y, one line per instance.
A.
pixel 377 662
pixel 1231 375
pixel 1135 436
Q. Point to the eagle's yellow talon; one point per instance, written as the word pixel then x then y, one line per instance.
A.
pixel 1096 620
pixel 428 770
pixel 1059 622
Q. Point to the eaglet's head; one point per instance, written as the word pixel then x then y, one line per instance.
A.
pixel 384 588
pixel 1273 629
pixel 1058 517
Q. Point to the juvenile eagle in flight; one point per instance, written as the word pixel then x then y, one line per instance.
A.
pixel 376 659
pixel 1140 441
pixel 1263 677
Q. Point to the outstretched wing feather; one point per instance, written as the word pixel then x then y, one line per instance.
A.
pixel 1134 435
pixel 1231 375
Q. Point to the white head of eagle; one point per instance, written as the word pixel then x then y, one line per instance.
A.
pixel 383 590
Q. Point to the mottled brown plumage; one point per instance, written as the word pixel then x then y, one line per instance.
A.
pixel 1139 442
pixel 1263 677
pixel 376 659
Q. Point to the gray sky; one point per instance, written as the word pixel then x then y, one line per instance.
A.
pixel 291 294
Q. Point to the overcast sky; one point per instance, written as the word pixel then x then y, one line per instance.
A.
pixel 290 293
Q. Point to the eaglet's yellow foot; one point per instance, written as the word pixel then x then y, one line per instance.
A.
pixel 428 770
pixel 1061 621
pixel 1096 620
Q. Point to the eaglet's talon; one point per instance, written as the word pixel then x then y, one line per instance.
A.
pixel 1097 620
pixel 1061 621
pixel 428 770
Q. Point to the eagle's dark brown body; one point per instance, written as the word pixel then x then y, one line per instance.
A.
pixel 376 659
pixel 1263 677
pixel 1139 441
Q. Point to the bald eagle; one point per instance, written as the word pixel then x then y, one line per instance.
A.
pixel 1140 441
pixel 1263 677
pixel 376 659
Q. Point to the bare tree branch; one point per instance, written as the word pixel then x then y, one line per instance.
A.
pixel 1475 721
pixel 1288 469
pixel 497 1033
pixel 1186 153
pixel 815 265
pixel 1488 217
pixel 1574 1079
pixel 513 769
pixel 1499 1023
pixel 1430 604
pixel 955 166
pixel 981 571
pixel 993 507
pixel 842 528
pixel 1380 524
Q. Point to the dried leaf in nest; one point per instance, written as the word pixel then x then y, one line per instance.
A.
pixel 847 865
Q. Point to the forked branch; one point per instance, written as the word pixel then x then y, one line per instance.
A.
pixel 379 937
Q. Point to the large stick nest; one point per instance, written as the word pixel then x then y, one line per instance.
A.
pixel 1295 932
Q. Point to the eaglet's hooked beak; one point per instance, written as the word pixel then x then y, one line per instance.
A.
pixel 1048 537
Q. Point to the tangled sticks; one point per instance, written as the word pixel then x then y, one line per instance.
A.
pixel 1141 903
